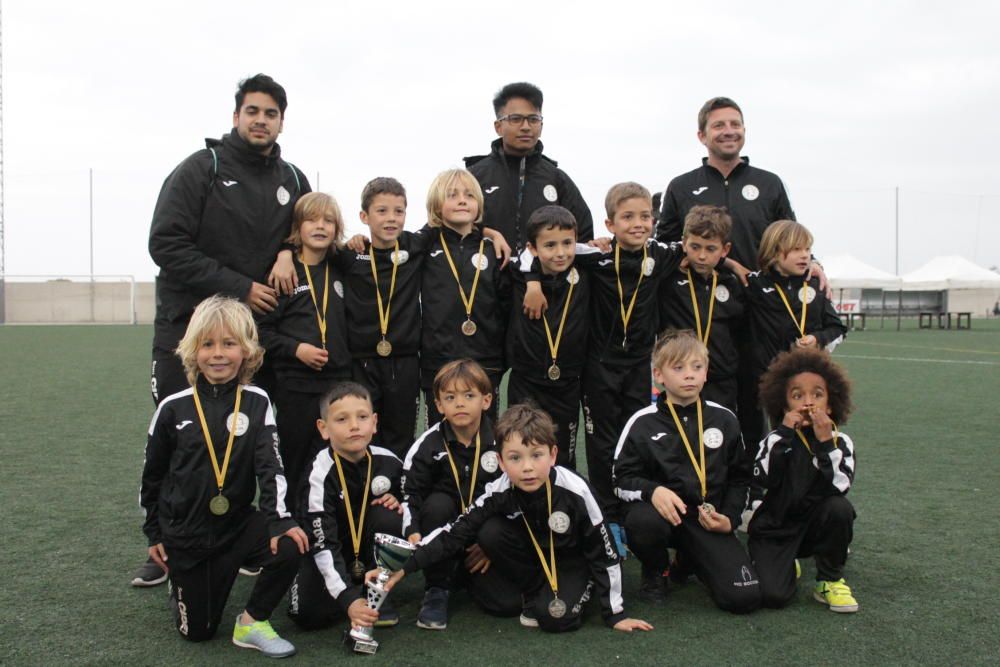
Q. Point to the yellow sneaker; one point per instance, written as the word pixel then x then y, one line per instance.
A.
pixel 836 595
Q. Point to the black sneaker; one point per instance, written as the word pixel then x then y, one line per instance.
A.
pixel 434 609
pixel 149 574
pixel 653 586
pixel 387 615
pixel 679 573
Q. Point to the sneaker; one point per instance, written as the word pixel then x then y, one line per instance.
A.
pixel 149 574
pixel 261 636
pixel 618 532
pixel 836 595
pixel 653 586
pixel 250 571
pixel 678 572
pixel 434 610
pixel 528 618
pixel 387 616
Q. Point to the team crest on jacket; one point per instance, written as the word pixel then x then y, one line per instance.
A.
pixel 380 485
pixel 559 522
pixel 807 294
pixel 283 196
pixel 338 287
pixel 489 461
pixel 712 438
pixel 750 192
pixel 400 257
pixel 242 423
pixel 549 192
pixel 721 293
pixel 647 266
pixel 573 277
pixel 481 262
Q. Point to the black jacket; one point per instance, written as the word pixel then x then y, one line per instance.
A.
pixel 404 308
pixel 441 337
pixel 499 175
pixel 772 328
pixel 324 515
pixel 426 469
pixel 294 322
pixel 754 198
pixel 218 225
pixel 650 453
pixel 676 312
pixel 587 535
pixel 795 480
pixel 178 480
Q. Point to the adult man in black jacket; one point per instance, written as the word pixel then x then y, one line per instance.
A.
pixel 516 178
pixel 218 225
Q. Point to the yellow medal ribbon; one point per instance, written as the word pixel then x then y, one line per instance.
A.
pixel 554 346
pixel 356 534
pixel 320 318
pixel 548 568
pixel 806 442
pixel 627 315
pixel 468 301
pixel 383 316
pixel 454 472
pixel 711 306
pixel 800 323
pixel 220 473
pixel 701 471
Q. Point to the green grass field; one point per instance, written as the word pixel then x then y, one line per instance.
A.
pixel 925 563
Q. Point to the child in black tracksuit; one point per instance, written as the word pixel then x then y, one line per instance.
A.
pixel 708 301
pixel 352 493
pixel 464 294
pixel 683 472
pixel 535 515
pixel 446 468
pixel 806 466
pixel 547 355
pixel 209 448
pixel 386 362
pixel 306 334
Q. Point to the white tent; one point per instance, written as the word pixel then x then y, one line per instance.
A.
pixel 950 272
pixel 849 272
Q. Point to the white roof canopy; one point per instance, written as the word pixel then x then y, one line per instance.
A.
pixel 950 272
pixel 849 272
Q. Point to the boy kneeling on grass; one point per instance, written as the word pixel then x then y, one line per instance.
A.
pixel 209 448
pixel 806 466
pixel 541 527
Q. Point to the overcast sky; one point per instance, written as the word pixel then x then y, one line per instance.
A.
pixel 845 102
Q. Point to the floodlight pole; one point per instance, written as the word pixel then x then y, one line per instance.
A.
pixel 897 230
pixel 3 246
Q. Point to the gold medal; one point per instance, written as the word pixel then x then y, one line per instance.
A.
pixel 469 328
pixel 472 480
pixel 554 372
pixel 626 315
pixel 357 529
pixel 384 348
pixel 700 469
pixel 357 571
pixel 218 505
pixel 703 337
pixel 800 323
pixel 320 318
pixel 557 608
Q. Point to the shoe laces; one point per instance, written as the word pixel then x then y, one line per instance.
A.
pixel 264 628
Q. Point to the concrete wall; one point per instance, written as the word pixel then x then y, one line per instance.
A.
pixel 71 302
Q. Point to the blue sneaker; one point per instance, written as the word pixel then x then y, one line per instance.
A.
pixel 387 616
pixel 434 609
pixel 262 637
pixel 618 532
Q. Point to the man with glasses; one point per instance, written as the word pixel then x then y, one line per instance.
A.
pixel 516 178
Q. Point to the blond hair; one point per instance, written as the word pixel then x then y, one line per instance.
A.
pixel 438 192
pixel 232 317
pixel 676 346
pixel 622 192
pixel 779 239
pixel 313 206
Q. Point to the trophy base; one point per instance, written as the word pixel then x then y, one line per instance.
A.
pixel 367 646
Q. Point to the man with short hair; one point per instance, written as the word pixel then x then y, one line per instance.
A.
pixel 516 177
pixel 219 223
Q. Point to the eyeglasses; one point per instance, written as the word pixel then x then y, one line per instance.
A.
pixel 518 119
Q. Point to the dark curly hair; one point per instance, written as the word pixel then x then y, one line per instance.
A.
pixel 774 383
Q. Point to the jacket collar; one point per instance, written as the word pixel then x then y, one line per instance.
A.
pixel 234 145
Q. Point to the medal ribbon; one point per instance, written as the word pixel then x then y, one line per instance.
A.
pixel 454 271
pixel 711 306
pixel 800 323
pixel 320 318
pixel 701 470
pixel 627 315
pixel 355 533
pixel 454 472
pixel 220 473
pixel 548 568
pixel 806 442
pixel 554 347
pixel 383 317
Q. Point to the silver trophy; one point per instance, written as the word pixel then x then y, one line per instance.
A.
pixel 390 553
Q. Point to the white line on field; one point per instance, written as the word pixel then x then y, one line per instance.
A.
pixel 929 361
